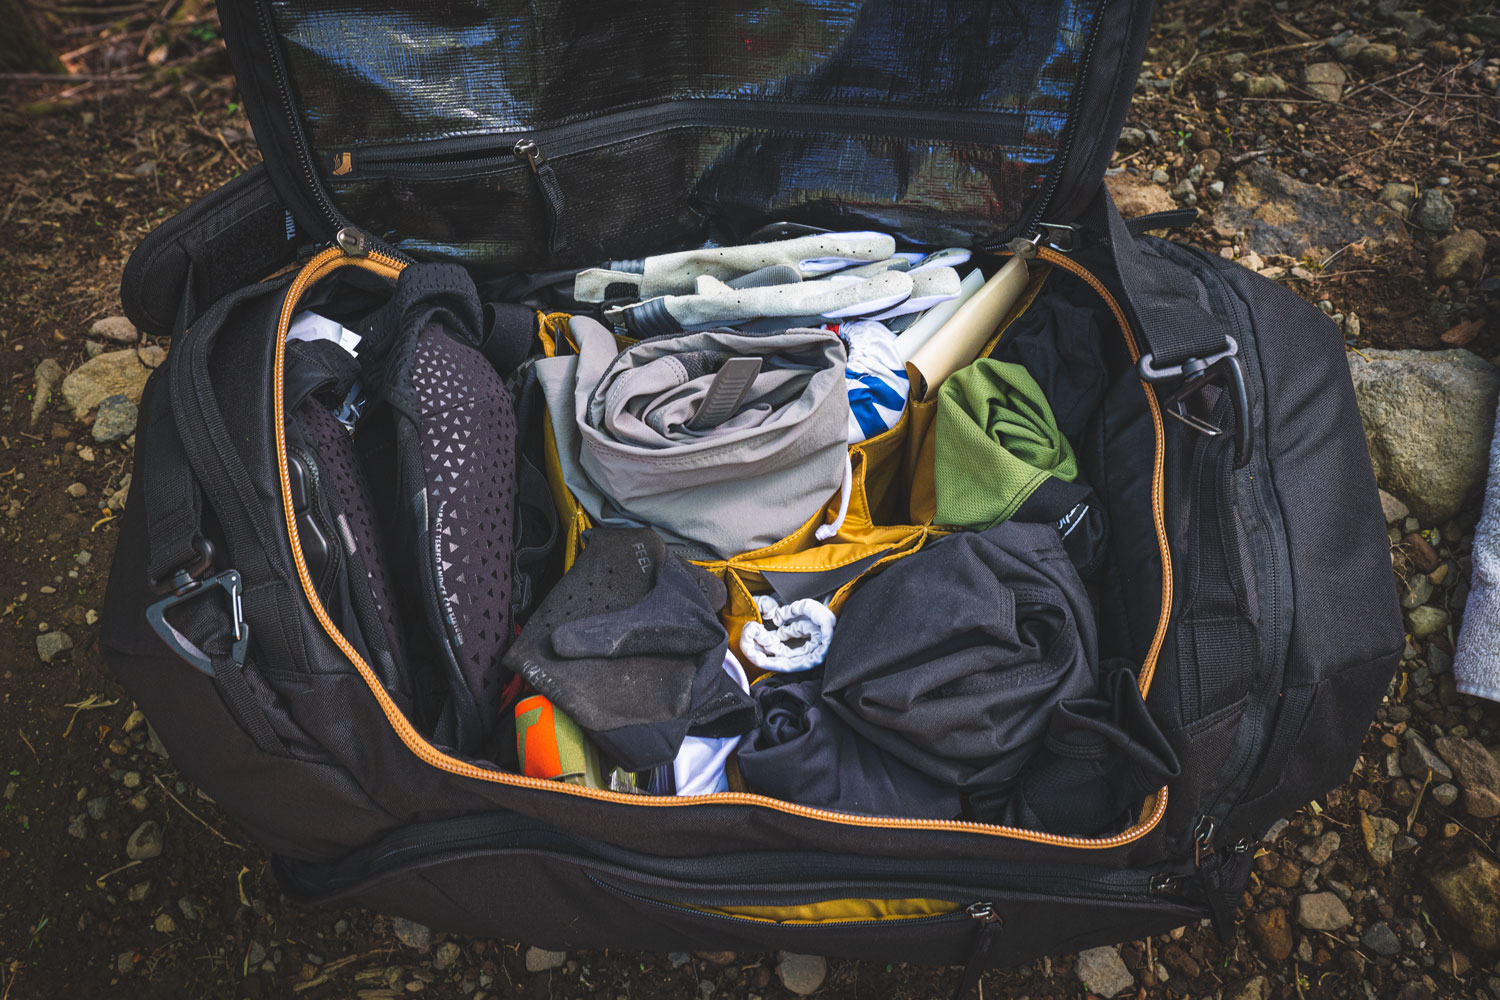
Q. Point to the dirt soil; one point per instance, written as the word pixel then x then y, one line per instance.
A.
pixel 82 181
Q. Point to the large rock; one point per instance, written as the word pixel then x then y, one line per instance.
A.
pixel 1470 891
pixel 1103 971
pixel 1380 837
pixel 1417 758
pixel 1138 196
pixel 1460 256
pixel 1477 773
pixel 116 373
pixel 1428 416
pixel 1280 214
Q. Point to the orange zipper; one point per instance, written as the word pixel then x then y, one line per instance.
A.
pixel 330 260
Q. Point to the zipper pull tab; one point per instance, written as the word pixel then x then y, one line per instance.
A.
pixel 551 188
pixel 986 947
pixel 352 241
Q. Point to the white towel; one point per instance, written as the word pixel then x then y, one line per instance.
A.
pixel 1476 662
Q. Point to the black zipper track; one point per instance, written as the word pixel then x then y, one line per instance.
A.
pixel 313 183
pixel 1070 132
pixel 1251 744
pixel 440 157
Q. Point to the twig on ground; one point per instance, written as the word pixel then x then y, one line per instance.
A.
pixel 100 880
pixel 28 744
pixel 160 784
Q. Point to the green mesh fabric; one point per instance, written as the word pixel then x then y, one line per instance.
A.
pixel 996 443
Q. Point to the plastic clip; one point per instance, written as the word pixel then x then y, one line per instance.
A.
pixel 156 615
pixel 1196 374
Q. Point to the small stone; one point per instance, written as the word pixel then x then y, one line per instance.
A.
pixel 541 960
pixel 48 374
pixel 1102 971
pixel 77 491
pixel 133 721
pixel 1325 80
pixel 1395 510
pixel 86 453
pixel 165 924
pixel 98 807
pixel 718 957
pixel 1445 795
pixel 116 419
pixel 1352 326
pixel 125 962
pixel 188 908
pixel 1133 138
pixel 1433 212
pixel 1318 851
pixel 1457 257
pixel 1421 552
pixel 1415 590
pixel 138 892
pixel 1252 261
pixel 78 827
pixel 50 645
pixel 1380 939
pixel 1417 758
pixel 1322 911
pixel 802 974
pixel 1439 660
pixel 256 955
pixel 1272 934
pixel 1380 836
pixel 1376 54
pixel 145 843
pixel 1261 86
pixel 1399 194
pixel 679 958
pixel 1469 889
pixel 412 934
pixel 1251 989
pixel 1427 620
pixel 132 779
pixel 446 956
pixel 116 328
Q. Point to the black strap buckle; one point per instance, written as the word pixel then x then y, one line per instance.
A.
pixel 186 576
pixel 156 615
pixel 1222 368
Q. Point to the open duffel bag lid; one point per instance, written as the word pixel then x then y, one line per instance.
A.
pixel 520 136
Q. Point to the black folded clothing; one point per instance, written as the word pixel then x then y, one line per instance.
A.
pixel 803 753
pixel 954 658
pixel 629 645
pixel 1102 756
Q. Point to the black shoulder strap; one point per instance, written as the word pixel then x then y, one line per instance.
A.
pixel 1175 324
pixel 173 499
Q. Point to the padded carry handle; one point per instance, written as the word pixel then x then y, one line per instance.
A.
pixel 233 237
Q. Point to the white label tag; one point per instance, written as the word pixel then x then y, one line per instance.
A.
pixel 311 326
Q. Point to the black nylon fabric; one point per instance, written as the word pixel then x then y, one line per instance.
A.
pixel 665 123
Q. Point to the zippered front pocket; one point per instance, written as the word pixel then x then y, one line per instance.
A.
pixel 602 188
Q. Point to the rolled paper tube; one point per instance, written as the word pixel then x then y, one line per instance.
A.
pixel 961 339
pixel 933 319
